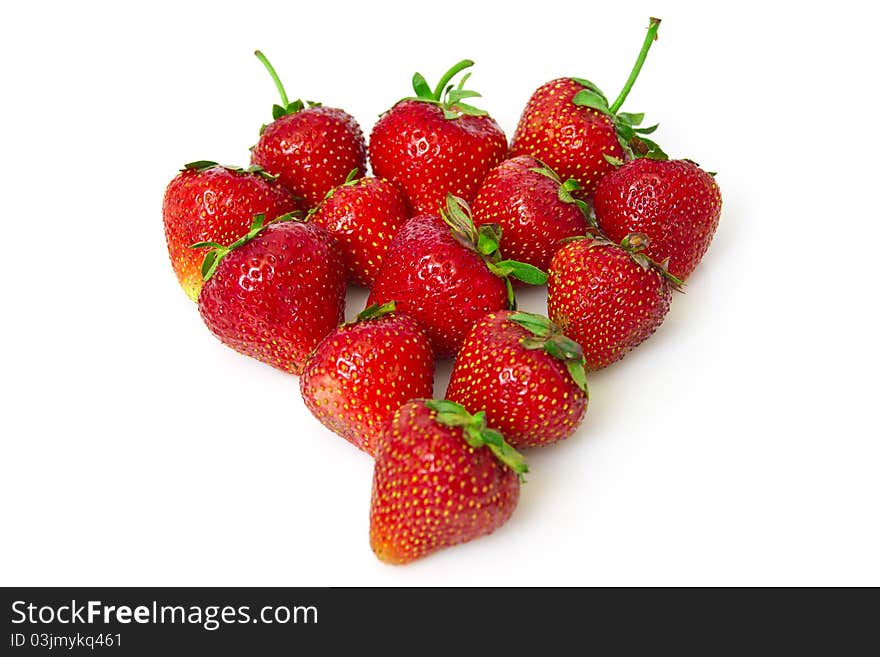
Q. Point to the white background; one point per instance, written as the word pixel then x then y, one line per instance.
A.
pixel 737 446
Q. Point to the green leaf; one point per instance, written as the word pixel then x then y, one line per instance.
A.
pixel 565 190
pixel 199 165
pixel 202 245
pixel 449 413
pixel 537 324
pixel 257 222
pixel 488 238
pixel 648 130
pixel 569 349
pixel 464 80
pixel 625 131
pixel 472 435
pixel 458 217
pixel 654 150
pixel 457 95
pixel 212 259
pixel 552 348
pixel 587 98
pixel 614 161
pixel 278 111
pixel 256 169
pixel 470 110
pixel 376 311
pixel 544 170
pixel 449 114
pixel 520 270
pixel 533 342
pixel 420 86
pixel 578 374
pixel 586 211
pixel 444 405
pixel 287 216
pixel 209 264
pixel 631 119
pixel 590 85
pixel 504 452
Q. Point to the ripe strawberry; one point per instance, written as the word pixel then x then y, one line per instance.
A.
pixel 210 202
pixel 275 293
pixel 441 478
pixel 606 297
pixel 434 144
pixel 446 274
pixel 533 208
pixel 526 375
pixel 362 372
pixel 363 216
pixel 312 149
pixel 569 124
pixel 674 202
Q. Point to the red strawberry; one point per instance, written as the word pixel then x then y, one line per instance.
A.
pixel 526 375
pixel 434 144
pixel 312 149
pixel 209 202
pixel 275 293
pixel 444 273
pixel 608 298
pixel 533 208
pixel 364 371
pixel 363 216
pixel 569 124
pixel 441 478
pixel 674 202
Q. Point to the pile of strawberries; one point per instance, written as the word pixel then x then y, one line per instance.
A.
pixel 451 223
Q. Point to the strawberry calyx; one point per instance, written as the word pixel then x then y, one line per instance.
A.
pixel 477 434
pixel 634 244
pixel 564 192
pixel 350 180
pixel 448 96
pixel 286 107
pixel 217 251
pixel 486 241
pixel 204 165
pixel 627 125
pixel 548 336
pixel 375 311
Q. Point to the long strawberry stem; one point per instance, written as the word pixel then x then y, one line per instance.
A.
pixel 284 101
pixel 451 73
pixel 650 38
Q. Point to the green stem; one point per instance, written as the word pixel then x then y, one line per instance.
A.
pixel 650 38
pixel 275 77
pixel 451 73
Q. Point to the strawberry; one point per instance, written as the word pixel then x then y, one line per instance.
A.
pixel 569 124
pixel 441 478
pixel 362 372
pixel 674 202
pixel 434 144
pixel 210 202
pixel 608 298
pixel 363 216
pixel 275 293
pixel 526 375
pixel 533 208
pixel 311 148
pixel 446 274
